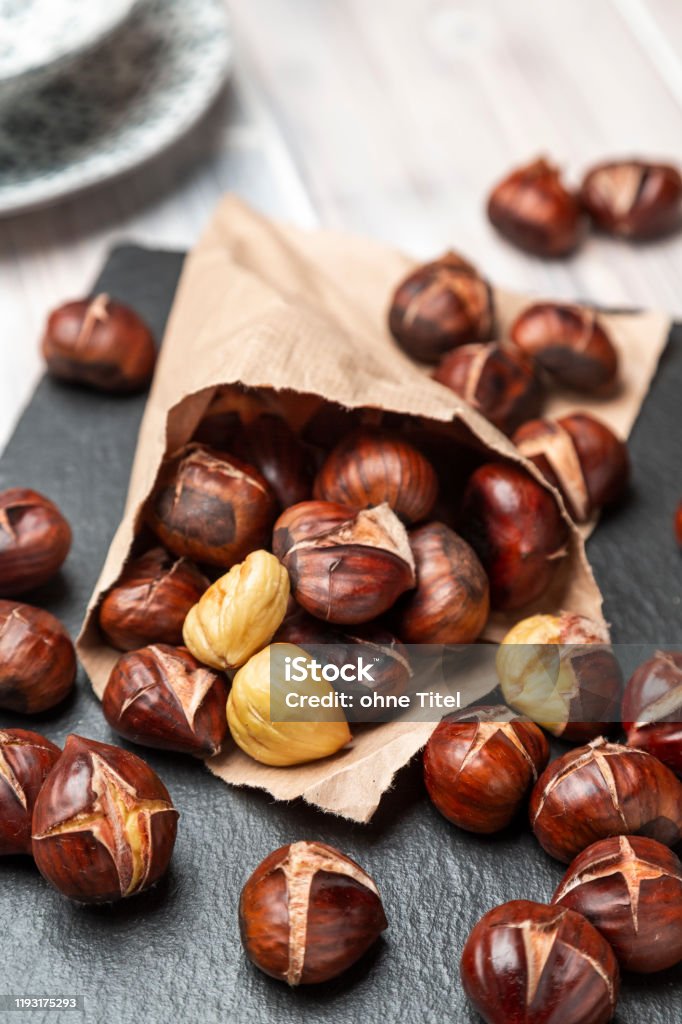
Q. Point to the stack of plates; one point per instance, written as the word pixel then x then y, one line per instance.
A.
pixel 90 89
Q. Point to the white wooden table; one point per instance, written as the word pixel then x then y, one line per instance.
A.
pixel 390 117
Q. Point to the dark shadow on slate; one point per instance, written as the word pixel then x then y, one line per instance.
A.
pixel 174 953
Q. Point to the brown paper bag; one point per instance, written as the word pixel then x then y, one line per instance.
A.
pixel 304 314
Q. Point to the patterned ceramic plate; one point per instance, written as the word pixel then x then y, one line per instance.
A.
pixel 116 106
pixel 37 35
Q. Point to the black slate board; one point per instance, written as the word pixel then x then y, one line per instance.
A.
pixel 174 953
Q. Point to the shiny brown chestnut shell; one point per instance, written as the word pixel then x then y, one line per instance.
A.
pixel 568 342
pixel 630 889
pixel 580 456
pixel 652 708
pixel 635 199
pixel 37 659
pixel 104 826
pixel 161 696
pixel 101 344
pixel 308 912
pixel 451 601
pixel 534 210
pixel 269 444
pixel 515 527
pixel 527 962
pixel 368 469
pixel 211 507
pixel 498 380
pixel 150 601
pixel 26 759
pixel 441 305
pixel 603 790
pixel 479 765
pixel 35 538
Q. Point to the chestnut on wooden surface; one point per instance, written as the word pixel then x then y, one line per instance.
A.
pixel 560 671
pixel 35 538
pixel 630 888
pixel 150 601
pixel 211 507
pixel 37 659
pixel 344 566
pixel 368 469
pixel 580 456
pixel 26 759
pixel 451 601
pixel 528 963
pixel 104 825
pixel 160 696
pixel 635 199
pixel 498 380
pixel 515 527
pixel 99 343
pixel 441 305
pixel 239 613
pixel 480 763
pixel 602 790
pixel 533 209
pixel 569 343
pixel 308 912
pixel 652 708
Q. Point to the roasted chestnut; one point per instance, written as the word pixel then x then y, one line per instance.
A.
pixel 535 211
pixel 150 601
pixel 34 541
pixel 630 888
pixel 26 759
pixel 480 763
pixel 308 912
pixel 580 456
pixel 230 407
pixel 99 343
pixel 37 659
pixel 368 469
pixel 441 305
pixel 498 380
pixel 515 527
pixel 652 708
pixel 603 790
pixel 211 507
pixel 633 198
pixel 569 343
pixel 269 444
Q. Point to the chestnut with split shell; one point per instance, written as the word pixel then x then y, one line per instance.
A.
pixel 35 539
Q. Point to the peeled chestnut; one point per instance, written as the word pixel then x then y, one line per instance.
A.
pixel 630 888
pixel 480 763
pixel 515 527
pixel 103 825
pixel 368 469
pixel 308 912
pixel 150 601
pixel 569 343
pixel 560 671
pixel 441 305
pixel 160 696
pixel 535 211
pixel 344 566
pixel 603 790
pixel 211 507
pixel 633 198
pixel 37 659
pixel 580 456
pixel 652 708
pixel 498 380
pixel 34 541
pixel 451 601
pixel 26 759
pixel 99 343
pixel 527 962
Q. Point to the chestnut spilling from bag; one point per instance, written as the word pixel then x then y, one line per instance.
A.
pixel 286 332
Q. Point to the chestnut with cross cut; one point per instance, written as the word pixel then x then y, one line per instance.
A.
pixel 635 199
pixel 652 708
pixel 99 343
pixel 26 759
pixel 35 538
